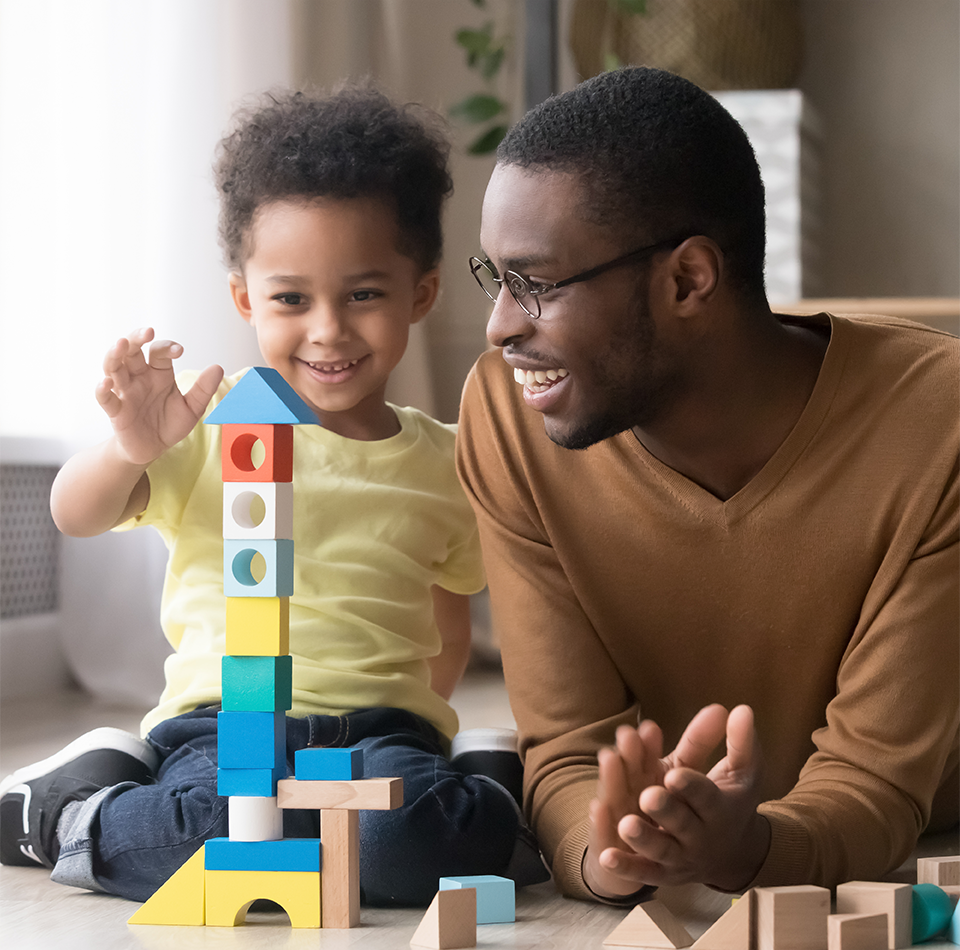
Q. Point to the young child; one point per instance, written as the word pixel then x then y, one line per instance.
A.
pixel 330 222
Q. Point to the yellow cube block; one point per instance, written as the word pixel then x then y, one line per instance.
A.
pixel 258 626
pixel 229 895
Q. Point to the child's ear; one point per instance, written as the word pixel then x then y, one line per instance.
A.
pixel 425 296
pixel 241 297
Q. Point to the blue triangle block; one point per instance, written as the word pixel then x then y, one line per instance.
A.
pixel 262 396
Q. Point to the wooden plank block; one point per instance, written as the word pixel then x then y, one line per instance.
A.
pixel 375 794
pixel 857 932
pixel 340 875
pixel 735 930
pixel 650 924
pixel 942 871
pixel 880 897
pixel 792 918
pixel 450 921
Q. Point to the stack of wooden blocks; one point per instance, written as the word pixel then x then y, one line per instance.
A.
pixel 219 883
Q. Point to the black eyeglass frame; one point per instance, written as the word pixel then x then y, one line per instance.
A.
pixel 520 287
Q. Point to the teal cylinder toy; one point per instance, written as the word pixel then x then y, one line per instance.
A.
pixel 932 910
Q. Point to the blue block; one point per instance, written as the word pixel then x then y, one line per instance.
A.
pixel 287 854
pixel 496 896
pixel 257 683
pixel 249 783
pixel 953 931
pixel 262 395
pixel 251 740
pixel 328 765
pixel 238 578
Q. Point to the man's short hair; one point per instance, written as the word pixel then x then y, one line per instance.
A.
pixel 352 143
pixel 658 157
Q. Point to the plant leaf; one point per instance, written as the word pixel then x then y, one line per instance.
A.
pixel 477 108
pixel 488 141
pixel 634 7
pixel 611 61
pixel 491 63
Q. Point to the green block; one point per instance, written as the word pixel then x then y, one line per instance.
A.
pixel 257 683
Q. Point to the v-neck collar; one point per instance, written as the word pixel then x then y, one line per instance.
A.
pixel 708 506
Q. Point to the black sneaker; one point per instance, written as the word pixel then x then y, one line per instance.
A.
pixel 32 798
pixel 493 753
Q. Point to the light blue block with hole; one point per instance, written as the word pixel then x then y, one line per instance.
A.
pixel 238 574
pixel 496 896
pixel 328 765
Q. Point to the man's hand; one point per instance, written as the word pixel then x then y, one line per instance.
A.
pixel 682 825
pixel 147 411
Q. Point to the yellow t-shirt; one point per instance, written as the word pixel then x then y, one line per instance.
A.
pixel 376 524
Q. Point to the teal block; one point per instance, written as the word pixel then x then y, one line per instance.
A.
pixel 496 896
pixel 262 396
pixel 249 783
pixel 251 740
pixel 238 579
pixel 328 765
pixel 257 683
pixel 932 909
pixel 287 854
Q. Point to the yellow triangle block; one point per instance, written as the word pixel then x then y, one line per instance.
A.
pixel 178 902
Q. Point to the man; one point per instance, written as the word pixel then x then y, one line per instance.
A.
pixel 690 505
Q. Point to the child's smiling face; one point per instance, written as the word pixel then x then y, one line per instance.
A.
pixel 332 301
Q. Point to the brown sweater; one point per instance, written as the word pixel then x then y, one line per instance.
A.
pixel 824 594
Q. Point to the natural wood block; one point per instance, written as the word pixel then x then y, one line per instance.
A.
pixel 340 874
pixel 942 871
pixel 374 794
pixel 792 918
pixel 735 930
pixel 879 897
pixel 450 921
pixel 650 924
pixel 857 932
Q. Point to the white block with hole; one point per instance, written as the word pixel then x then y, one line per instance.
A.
pixel 254 819
pixel 258 510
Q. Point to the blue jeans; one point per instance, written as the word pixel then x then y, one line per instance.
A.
pixel 128 839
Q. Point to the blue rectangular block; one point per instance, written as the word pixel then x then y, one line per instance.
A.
pixel 249 783
pixel 257 683
pixel 496 896
pixel 251 740
pixel 240 567
pixel 287 854
pixel 328 765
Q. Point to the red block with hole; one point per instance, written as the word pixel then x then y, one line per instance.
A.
pixel 237 444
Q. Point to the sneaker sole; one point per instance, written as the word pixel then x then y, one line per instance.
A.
pixel 106 737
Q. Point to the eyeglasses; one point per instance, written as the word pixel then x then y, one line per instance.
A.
pixel 527 292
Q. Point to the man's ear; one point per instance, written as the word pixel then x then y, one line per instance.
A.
pixel 696 271
pixel 425 295
pixel 241 297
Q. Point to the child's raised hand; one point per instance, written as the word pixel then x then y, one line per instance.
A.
pixel 139 394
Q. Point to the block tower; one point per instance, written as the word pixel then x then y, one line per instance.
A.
pixel 218 884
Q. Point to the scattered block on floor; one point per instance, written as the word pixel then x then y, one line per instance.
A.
pixel 229 895
pixel 364 794
pixel 450 921
pixel 496 896
pixel 652 925
pixel 792 918
pixel 239 568
pixel 328 765
pixel 180 901
pixel 932 910
pixel 857 932
pixel 735 930
pixel 258 626
pixel 943 871
pixel 287 854
pixel 340 877
pixel 257 683
pixel 251 740
pixel 257 818
pixel 879 897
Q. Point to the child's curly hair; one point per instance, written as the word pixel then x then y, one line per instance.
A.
pixel 352 143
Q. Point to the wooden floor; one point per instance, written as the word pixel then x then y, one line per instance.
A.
pixel 36 914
